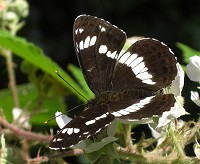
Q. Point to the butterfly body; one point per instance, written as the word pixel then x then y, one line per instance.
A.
pixel 125 84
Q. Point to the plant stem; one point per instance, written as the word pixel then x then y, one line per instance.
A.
pixel 125 154
pixel 11 76
pixel 24 133
pixel 177 144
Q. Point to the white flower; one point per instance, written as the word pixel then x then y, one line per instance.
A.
pixel 195 97
pixel 197 149
pixel 62 119
pixel 193 72
pixel 178 82
pixel 19 116
pixel 193 69
pixel 177 110
pixel 161 135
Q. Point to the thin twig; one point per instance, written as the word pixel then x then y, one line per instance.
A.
pixel 61 154
pixel 24 133
pixel 11 76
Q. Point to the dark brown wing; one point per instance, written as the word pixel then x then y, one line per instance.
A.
pixel 97 45
pixel 143 108
pixel 148 64
pixel 87 124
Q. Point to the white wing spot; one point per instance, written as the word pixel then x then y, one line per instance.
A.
pixel 53 148
pixel 144 69
pixel 116 114
pixel 64 130
pixel 54 140
pixel 98 131
pixel 123 112
pixel 81 30
pixel 81 45
pixel 77 47
pixel 111 55
pixel 131 59
pixel 87 42
pixel 84 133
pixel 76 130
pixel 102 116
pixel 136 62
pixel 134 107
pixel 124 57
pixel 76 31
pixel 138 67
pixel 70 131
pixel 90 122
pixel 93 40
pixel 103 49
pixel 59 139
pixel 149 81
pixel 103 29
pixel 144 75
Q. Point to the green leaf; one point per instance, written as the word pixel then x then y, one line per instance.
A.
pixel 98 145
pixel 93 156
pixel 187 52
pixel 104 159
pixel 35 56
pixel 111 151
pixel 28 98
pixel 111 129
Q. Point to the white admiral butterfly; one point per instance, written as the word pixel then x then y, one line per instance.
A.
pixel 126 85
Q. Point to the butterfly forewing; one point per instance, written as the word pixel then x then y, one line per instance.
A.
pixel 97 44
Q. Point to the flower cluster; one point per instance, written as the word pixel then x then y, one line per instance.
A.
pixel 11 13
pixel 193 72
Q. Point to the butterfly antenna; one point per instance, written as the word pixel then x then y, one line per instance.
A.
pixel 70 85
pixel 63 113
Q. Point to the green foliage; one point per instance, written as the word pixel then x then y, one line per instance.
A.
pixel 187 52
pixel 36 57
pixel 29 99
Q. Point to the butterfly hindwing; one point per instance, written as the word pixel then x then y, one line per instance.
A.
pixel 142 108
pixel 87 124
pixel 97 44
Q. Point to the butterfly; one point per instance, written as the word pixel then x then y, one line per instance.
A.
pixel 125 84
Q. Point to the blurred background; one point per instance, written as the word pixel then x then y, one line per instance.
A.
pixel 50 24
